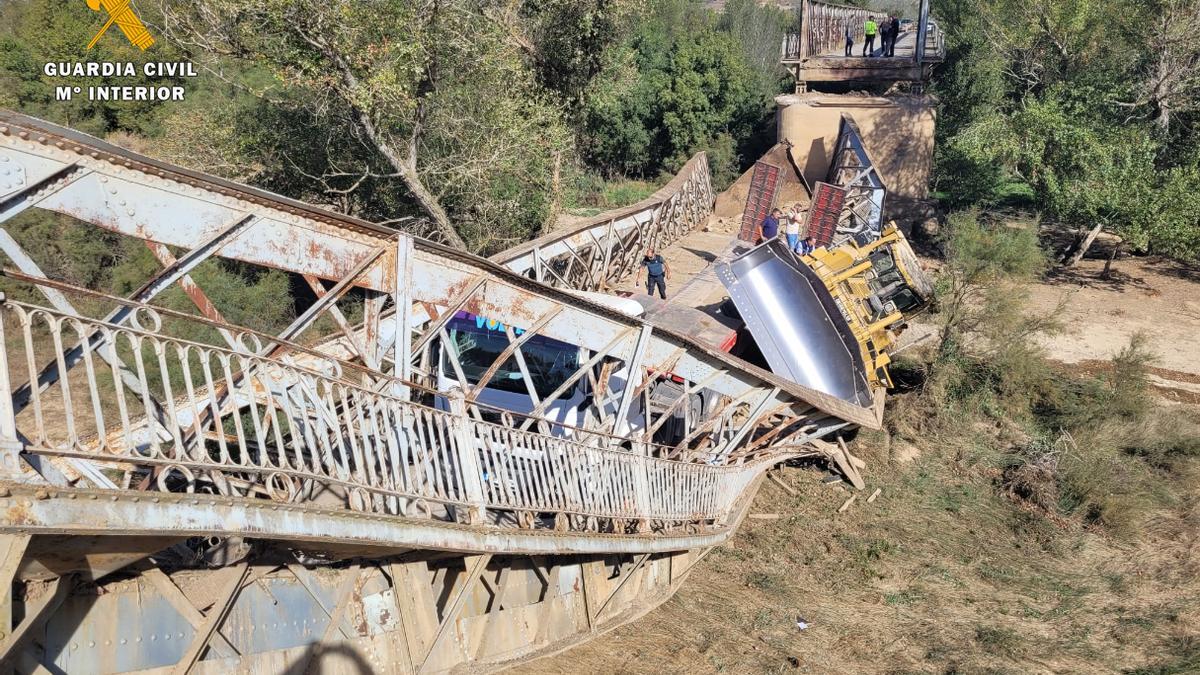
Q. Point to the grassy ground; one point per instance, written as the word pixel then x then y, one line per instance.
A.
pixel 944 573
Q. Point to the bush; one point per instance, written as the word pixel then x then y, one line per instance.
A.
pixel 1082 450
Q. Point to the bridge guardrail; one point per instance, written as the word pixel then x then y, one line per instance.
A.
pixel 823 30
pixel 288 433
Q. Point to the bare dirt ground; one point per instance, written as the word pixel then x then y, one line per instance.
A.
pixel 1156 297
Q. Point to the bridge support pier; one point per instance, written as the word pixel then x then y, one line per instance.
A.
pixel 898 131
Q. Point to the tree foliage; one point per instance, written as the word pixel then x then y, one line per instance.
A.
pixel 424 105
pixel 683 82
pixel 460 120
pixel 1081 107
pixel 982 285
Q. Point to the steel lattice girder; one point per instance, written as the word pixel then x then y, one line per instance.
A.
pixel 854 169
pixel 718 456
pixel 607 247
pixel 413 614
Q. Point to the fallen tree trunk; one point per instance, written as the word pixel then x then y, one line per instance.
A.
pixel 1075 257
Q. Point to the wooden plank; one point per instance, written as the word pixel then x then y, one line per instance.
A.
pixel 771 475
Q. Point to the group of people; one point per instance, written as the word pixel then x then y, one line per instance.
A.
pixel 657 271
pixel 791 230
pixel 888 32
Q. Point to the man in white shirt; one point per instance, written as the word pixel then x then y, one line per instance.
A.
pixel 792 230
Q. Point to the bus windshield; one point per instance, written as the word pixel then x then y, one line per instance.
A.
pixel 478 342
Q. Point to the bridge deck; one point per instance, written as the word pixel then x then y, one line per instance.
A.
pixel 834 66
pixel 904 51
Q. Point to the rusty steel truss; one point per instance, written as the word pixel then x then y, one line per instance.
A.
pixel 823 27
pixel 816 51
pixel 853 169
pixel 600 251
pixel 178 493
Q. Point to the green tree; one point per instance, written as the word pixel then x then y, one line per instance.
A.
pixel 680 85
pixel 1083 106
pixel 981 287
pixel 567 40
pixel 432 98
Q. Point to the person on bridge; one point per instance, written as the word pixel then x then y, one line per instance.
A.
pixel 893 35
pixel 849 41
pixel 869 28
pixel 770 226
pixel 885 32
pixel 657 273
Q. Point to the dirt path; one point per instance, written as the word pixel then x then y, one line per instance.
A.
pixel 1156 297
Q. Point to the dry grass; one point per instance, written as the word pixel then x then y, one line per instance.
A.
pixel 946 573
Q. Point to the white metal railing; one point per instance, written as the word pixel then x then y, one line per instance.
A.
pixel 823 32
pixel 146 410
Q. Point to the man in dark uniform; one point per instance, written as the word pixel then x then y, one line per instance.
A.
pixel 657 273
pixel 893 35
pixel 770 225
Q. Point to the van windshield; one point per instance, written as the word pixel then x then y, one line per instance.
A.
pixel 478 342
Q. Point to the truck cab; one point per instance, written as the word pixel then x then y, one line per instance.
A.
pixel 876 287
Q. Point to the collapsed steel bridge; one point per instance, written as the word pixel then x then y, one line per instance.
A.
pixel 180 494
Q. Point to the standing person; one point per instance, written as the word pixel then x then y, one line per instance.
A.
pixel 770 226
pixel 657 273
pixel 869 28
pixel 885 32
pixel 894 35
pixel 792 230
pixel 849 41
